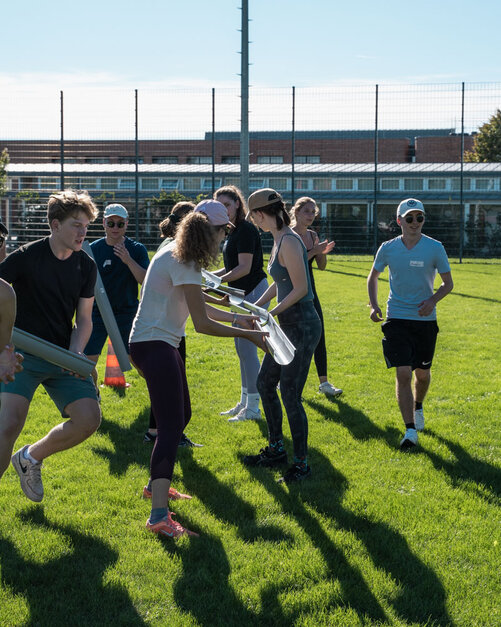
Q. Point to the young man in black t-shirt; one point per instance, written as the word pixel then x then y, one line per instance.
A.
pixel 54 282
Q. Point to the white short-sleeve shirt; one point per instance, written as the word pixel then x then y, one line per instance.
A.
pixel 163 311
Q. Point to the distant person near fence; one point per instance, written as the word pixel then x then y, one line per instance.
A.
pixel 410 330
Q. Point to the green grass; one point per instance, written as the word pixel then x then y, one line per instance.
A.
pixel 376 537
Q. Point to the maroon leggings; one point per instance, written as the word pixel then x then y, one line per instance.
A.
pixel 163 369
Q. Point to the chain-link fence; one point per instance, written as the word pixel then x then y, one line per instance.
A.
pixel 357 150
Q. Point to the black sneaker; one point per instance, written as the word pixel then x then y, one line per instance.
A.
pixel 149 437
pixel 267 457
pixel 185 441
pixel 295 473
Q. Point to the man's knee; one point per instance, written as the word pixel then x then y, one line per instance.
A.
pixel 86 414
pixel 13 414
pixel 404 375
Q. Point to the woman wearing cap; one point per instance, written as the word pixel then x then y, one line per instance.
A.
pixel 299 320
pixel 172 291
pixel 243 269
pixel 304 212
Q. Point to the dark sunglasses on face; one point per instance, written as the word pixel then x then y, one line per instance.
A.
pixel 110 224
pixel 2 240
pixel 410 219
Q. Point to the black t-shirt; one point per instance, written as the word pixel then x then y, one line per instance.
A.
pixel 244 238
pixel 48 289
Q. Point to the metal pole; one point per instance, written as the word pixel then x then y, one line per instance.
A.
pixel 461 189
pixel 213 141
pixel 61 147
pixel 376 147
pixel 244 102
pixel 137 168
pixel 293 146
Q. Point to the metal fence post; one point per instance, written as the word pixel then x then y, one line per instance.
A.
pixel 137 166
pixel 213 141
pixel 293 147
pixel 376 147
pixel 461 189
pixel 61 147
pixel 244 102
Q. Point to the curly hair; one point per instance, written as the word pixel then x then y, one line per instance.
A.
pixel 300 203
pixel 196 241
pixel 168 226
pixel 236 195
pixel 68 203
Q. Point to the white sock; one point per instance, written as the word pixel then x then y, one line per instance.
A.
pixel 27 456
pixel 243 397
pixel 253 401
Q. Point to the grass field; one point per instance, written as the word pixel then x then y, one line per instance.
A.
pixel 376 537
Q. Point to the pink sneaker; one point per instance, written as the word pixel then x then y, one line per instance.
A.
pixel 169 527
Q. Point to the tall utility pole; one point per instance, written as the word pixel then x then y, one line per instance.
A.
pixel 244 102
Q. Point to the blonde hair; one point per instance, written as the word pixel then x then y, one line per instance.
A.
pixel 69 203
pixel 168 226
pixel 299 204
pixel 196 240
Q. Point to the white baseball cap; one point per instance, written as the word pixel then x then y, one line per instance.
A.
pixel 409 204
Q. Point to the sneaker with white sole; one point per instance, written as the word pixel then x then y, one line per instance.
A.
pixel 329 390
pixel 409 440
pixel 169 527
pixel 234 410
pixel 419 419
pixel 246 414
pixel 29 474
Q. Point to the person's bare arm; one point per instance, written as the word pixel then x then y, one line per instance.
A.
pixel 426 307
pixel 376 313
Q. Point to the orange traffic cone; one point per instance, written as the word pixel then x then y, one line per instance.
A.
pixel 113 375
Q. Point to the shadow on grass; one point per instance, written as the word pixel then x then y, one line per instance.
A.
pixel 128 445
pixel 358 424
pixel 68 589
pixel 224 504
pixel 467 469
pixel 421 596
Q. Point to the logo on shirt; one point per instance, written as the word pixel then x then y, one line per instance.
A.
pixel 108 263
pixel 416 264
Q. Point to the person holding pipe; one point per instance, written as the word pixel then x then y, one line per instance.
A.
pixel 54 284
pixel 10 362
pixel 122 264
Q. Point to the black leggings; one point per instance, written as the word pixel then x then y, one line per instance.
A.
pixel 182 351
pixel 320 354
pixel 163 369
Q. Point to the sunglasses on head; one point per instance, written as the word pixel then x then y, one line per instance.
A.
pixel 110 224
pixel 410 219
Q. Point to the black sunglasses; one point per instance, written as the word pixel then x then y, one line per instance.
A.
pixel 410 219
pixel 2 240
pixel 110 224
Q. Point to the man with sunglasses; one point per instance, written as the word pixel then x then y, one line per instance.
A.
pixel 122 264
pixel 410 330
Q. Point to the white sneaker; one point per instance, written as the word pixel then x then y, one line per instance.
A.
pixel 329 390
pixel 234 410
pixel 419 419
pixel 409 440
pixel 246 414
pixel 30 475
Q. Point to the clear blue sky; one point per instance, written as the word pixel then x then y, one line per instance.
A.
pixel 294 42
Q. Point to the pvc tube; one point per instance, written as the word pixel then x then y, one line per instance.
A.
pixel 108 318
pixel 52 353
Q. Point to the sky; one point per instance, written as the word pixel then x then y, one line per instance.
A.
pixel 194 44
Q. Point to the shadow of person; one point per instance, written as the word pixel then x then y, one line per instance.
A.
pixel 466 471
pixel 68 589
pixel 128 446
pixel 358 424
pixel 421 596
pixel 225 504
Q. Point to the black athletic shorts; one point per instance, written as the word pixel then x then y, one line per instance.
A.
pixel 409 342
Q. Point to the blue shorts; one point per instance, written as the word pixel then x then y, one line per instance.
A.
pixel 63 387
pixel 99 333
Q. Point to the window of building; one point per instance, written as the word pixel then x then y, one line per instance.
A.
pixel 126 183
pixel 484 184
pixel 207 184
pixel 199 159
pixel 49 182
pixel 301 184
pixel 322 185
pixel 389 184
pixel 344 184
pixel 130 160
pixel 89 183
pixel 169 184
pixel 270 159
pixel 109 183
pixel 411 185
pixel 150 184
pixel 97 160
pixel 192 183
pixel 256 184
pixel 164 160
pixel 437 184
pixel 307 159
pixel 232 180
pixel 279 183
pixel 230 159
pixel 365 184
pixel 72 181
pixel 456 184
